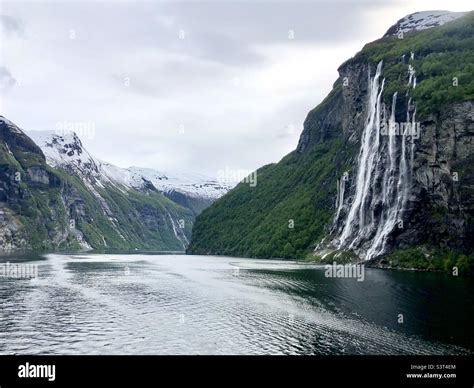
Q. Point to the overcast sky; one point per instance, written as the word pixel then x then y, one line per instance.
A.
pixel 196 86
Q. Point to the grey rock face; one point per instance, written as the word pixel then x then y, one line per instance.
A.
pixel 442 196
pixel 323 122
pixel 37 175
pixel 343 113
pixel 440 184
pixel 68 207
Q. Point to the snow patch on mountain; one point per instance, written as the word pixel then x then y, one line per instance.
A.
pixel 193 184
pixel 10 125
pixel 423 20
pixel 65 150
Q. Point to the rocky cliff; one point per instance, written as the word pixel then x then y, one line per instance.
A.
pixel 384 163
pixel 70 200
pixel 31 206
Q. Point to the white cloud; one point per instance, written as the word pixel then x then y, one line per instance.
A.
pixel 236 84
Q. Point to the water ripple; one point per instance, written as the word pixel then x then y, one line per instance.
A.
pixel 168 304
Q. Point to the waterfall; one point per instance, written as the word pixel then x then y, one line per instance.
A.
pixel 179 235
pixel 411 76
pixel 383 178
pixel 412 148
pixel 388 175
pixel 368 150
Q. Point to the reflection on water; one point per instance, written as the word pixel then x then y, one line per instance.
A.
pixel 174 304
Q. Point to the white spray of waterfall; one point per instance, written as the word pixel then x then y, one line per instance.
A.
pixel 179 236
pixel 406 168
pixel 412 71
pixel 392 155
pixel 402 170
pixel 384 169
pixel 389 200
pixel 369 145
pixel 412 148
pixel 411 76
pixel 373 169
pixel 393 212
pixel 413 127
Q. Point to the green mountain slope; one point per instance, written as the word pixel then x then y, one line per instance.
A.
pixel 257 221
pixel 301 189
pixel 46 208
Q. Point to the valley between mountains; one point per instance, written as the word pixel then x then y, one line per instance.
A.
pixel 55 195
pixel 382 173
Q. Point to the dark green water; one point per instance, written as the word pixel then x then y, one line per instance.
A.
pixel 176 304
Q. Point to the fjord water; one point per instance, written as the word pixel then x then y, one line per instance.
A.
pixel 177 304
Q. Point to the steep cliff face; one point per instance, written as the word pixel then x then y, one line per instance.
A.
pixel 29 193
pixel 72 206
pixel 383 164
pixel 403 189
pixel 442 194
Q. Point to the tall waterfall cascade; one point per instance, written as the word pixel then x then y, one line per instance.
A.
pixel 381 185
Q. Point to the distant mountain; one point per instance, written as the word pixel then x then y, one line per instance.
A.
pixel 383 171
pixel 65 150
pixel 58 196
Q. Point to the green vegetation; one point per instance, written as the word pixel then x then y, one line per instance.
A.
pixel 444 64
pixel 43 202
pixel 432 259
pixel 254 221
pixel 43 212
pixel 257 221
pixel 139 221
pixel 340 257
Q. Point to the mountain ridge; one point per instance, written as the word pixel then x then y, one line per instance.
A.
pixel 65 150
pixel 58 197
pixel 291 211
pixel 422 20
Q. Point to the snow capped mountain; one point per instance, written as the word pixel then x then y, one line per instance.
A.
pixel 12 127
pixel 188 183
pixel 65 150
pixel 423 20
pixel 61 197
